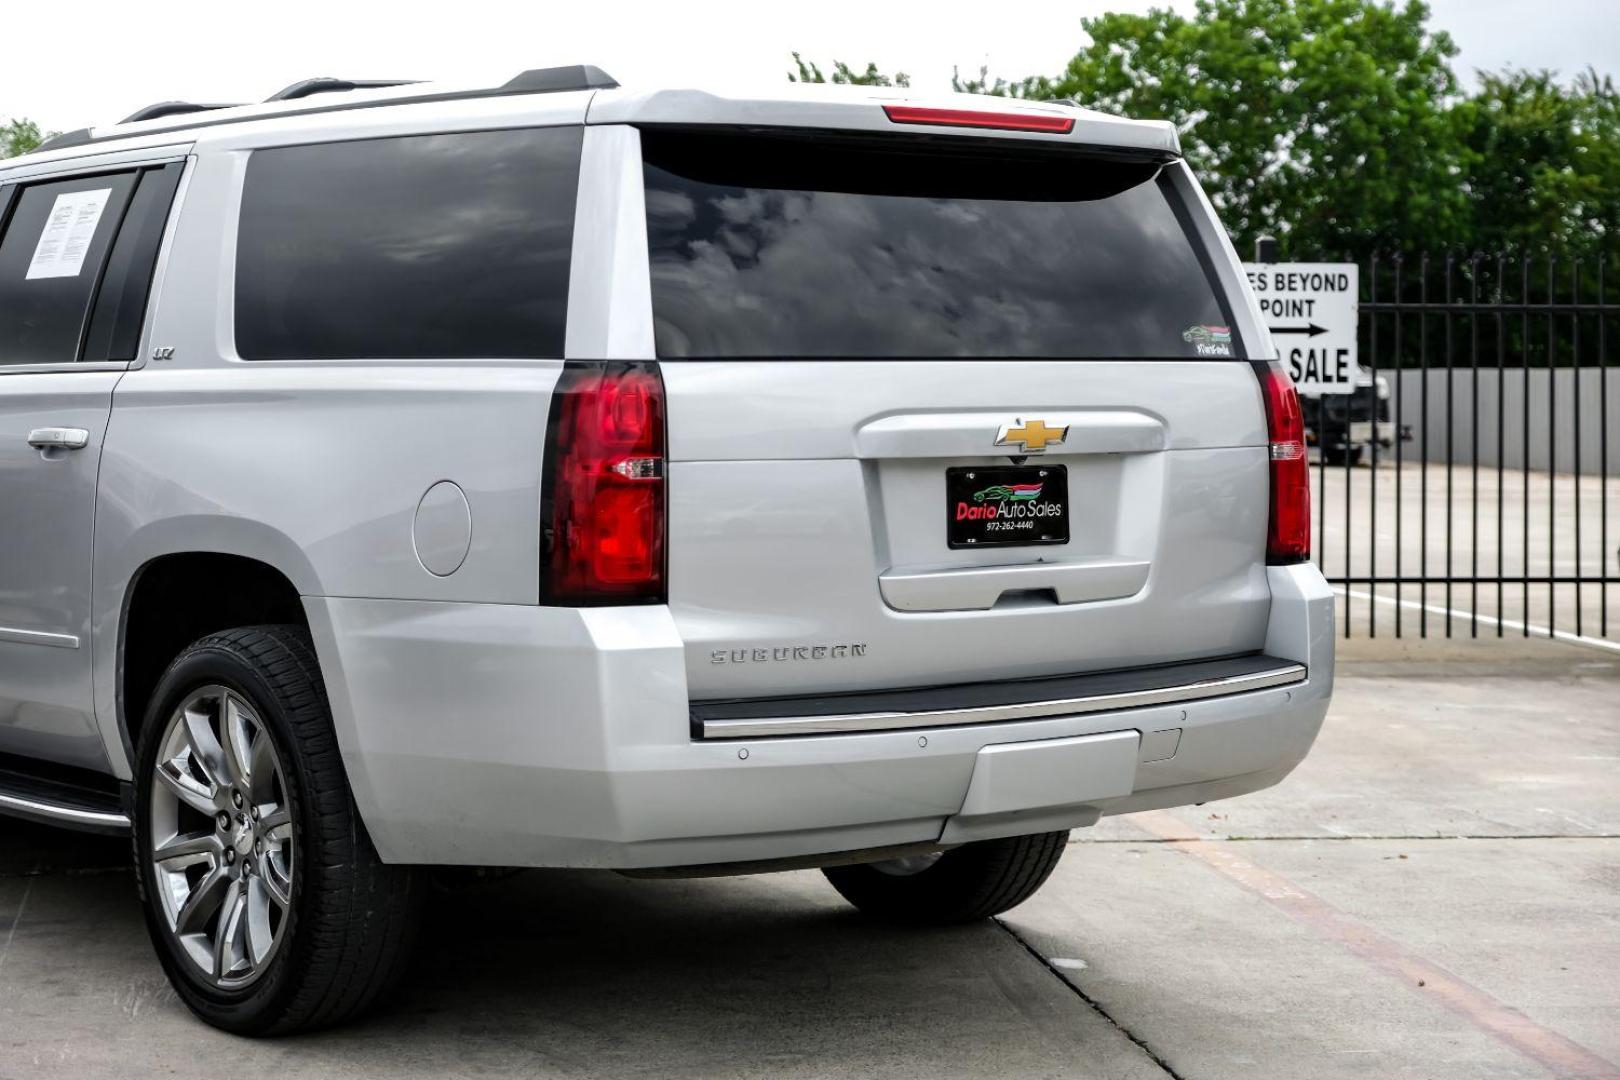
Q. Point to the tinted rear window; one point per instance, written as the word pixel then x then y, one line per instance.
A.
pixel 432 246
pixel 783 246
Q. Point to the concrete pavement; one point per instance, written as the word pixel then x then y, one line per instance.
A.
pixel 1458 826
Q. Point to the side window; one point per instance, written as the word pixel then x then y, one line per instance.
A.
pixel 120 310
pixel 423 246
pixel 52 252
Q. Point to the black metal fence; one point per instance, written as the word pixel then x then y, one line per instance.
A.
pixel 1468 485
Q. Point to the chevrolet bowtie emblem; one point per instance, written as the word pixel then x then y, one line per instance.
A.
pixel 1034 436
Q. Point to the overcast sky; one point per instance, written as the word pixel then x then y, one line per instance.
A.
pixel 68 66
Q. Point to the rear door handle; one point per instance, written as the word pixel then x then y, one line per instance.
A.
pixel 59 438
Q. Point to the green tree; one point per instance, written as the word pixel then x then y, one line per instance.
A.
pixel 19 137
pixel 1543 161
pixel 844 75
pixel 1325 123
pixel 1322 122
pixel 1037 86
pixel 1338 126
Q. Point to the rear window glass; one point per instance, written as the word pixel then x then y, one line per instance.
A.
pixel 787 246
pixel 431 246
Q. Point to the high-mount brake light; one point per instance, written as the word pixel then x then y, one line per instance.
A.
pixel 602 503
pixel 973 118
pixel 1288 528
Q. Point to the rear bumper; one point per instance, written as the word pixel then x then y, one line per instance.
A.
pixel 526 736
pixel 993 703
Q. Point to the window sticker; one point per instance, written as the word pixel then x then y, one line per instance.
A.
pixel 1209 340
pixel 67 235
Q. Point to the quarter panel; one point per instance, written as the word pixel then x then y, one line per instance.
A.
pixel 317 470
pixel 335 458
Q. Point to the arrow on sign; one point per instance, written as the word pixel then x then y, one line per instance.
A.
pixel 1312 330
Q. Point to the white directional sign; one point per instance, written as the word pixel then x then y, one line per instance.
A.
pixel 1310 309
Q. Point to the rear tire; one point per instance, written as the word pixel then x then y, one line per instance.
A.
pixel 963 885
pixel 267 903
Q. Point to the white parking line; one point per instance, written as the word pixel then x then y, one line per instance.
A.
pixel 1464 613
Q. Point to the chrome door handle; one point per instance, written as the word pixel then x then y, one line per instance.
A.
pixel 59 438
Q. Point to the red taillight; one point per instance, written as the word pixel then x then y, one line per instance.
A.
pixel 603 500
pixel 974 118
pixel 1288 531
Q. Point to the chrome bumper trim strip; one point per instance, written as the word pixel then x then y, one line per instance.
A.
pixel 763 727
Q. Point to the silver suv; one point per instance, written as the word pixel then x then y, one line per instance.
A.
pixel 554 474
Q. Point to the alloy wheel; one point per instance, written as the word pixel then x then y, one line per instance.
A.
pixel 221 838
pixel 907 865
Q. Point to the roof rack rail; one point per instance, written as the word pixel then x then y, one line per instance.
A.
pixel 327 85
pixel 76 137
pixel 173 108
pixel 550 80
pixel 553 79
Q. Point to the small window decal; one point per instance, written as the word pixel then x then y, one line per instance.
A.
pixel 1209 340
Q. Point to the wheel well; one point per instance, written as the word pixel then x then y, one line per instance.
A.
pixel 177 599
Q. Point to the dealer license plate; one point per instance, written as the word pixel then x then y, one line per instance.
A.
pixel 1006 505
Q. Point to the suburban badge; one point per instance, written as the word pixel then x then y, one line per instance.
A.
pixel 849 651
